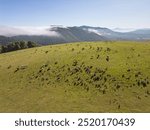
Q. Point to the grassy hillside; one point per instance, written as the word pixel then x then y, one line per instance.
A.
pixel 78 77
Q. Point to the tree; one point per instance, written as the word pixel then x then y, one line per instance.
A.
pixel 0 49
pixel 17 46
pixel 3 49
pixel 31 44
pixel 23 45
pixel 10 47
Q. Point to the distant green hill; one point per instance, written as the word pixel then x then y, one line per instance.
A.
pixel 73 34
pixel 78 77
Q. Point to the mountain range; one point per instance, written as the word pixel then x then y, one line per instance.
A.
pixel 60 34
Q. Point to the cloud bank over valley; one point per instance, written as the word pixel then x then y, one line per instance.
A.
pixel 14 31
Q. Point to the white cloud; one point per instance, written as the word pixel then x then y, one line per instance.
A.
pixel 13 31
pixel 98 32
pixel 123 29
pixel 94 31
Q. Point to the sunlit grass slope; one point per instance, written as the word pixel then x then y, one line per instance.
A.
pixel 77 77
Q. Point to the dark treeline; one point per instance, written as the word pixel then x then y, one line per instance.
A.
pixel 17 46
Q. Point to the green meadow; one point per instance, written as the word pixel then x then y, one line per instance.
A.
pixel 77 77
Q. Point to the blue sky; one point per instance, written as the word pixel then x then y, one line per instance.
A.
pixel 103 13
